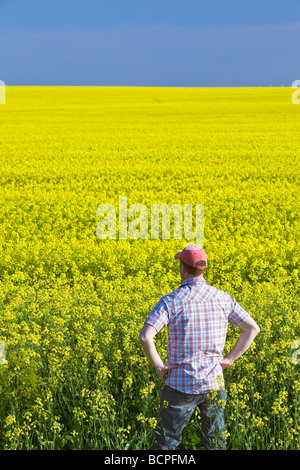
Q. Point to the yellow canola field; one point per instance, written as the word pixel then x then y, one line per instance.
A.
pixel 72 374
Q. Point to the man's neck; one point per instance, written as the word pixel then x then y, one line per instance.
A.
pixel 190 277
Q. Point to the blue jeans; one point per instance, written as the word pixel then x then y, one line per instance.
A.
pixel 176 409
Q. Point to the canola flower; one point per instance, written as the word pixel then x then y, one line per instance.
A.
pixel 74 376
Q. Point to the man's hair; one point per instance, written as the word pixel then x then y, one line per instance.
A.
pixel 194 271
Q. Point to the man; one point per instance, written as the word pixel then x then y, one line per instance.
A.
pixel 197 317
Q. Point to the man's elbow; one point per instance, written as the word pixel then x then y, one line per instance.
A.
pixel 256 329
pixel 142 338
pixel 250 327
pixel 147 333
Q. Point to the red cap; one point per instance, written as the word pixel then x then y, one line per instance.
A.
pixel 191 254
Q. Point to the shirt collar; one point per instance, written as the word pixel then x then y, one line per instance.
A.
pixel 194 280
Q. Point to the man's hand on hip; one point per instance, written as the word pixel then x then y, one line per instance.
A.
pixel 163 370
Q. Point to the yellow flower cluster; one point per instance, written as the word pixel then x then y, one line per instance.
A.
pixel 72 304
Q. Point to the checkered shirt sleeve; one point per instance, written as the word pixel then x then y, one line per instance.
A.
pixel 237 314
pixel 159 315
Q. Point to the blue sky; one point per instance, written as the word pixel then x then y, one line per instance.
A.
pixel 190 43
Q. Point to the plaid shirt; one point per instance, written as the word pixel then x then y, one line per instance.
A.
pixel 197 317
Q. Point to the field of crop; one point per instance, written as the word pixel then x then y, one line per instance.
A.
pixel 72 304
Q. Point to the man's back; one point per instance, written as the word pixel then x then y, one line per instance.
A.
pixel 197 317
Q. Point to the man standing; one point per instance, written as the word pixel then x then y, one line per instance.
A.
pixel 197 317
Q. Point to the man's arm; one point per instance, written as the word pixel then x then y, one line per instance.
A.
pixel 249 330
pixel 146 336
